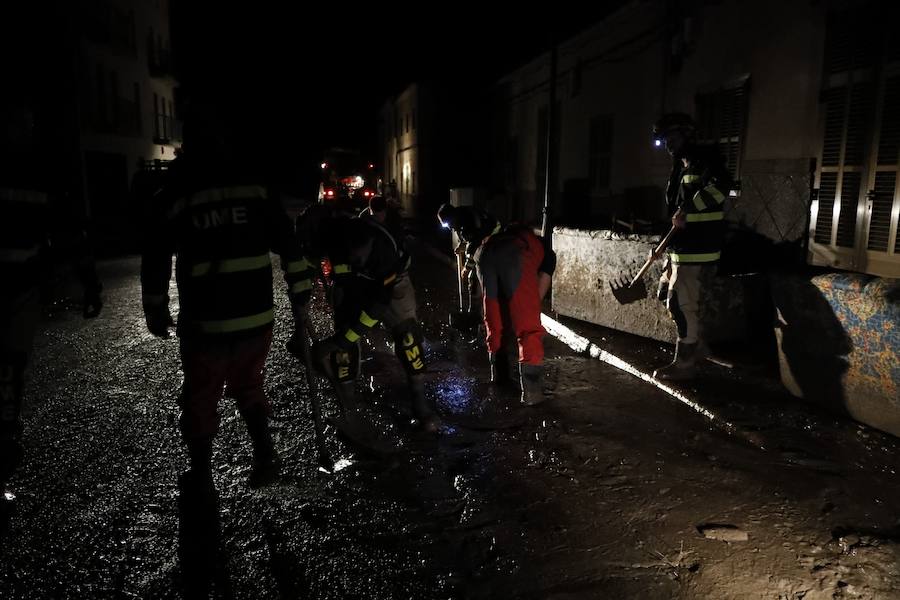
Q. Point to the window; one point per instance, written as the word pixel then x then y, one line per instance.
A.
pixel 722 119
pixel 157 130
pixel 164 119
pixel 600 152
pixel 856 207
pixel 171 121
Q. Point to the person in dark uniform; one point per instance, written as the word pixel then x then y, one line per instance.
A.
pixel 698 185
pixel 221 225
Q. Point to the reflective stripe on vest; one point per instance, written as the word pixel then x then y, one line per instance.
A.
pixel 238 324
pixel 367 321
pixel 351 336
pixel 690 178
pixel 683 257
pixel 301 286
pixel 298 266
pixel 708 197
pixel 238 192
pixel 701 217
pixel 342 269
pixel 231 265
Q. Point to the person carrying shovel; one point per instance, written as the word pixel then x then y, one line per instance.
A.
pixel 472 225
pixel 515 269
pixel 698 185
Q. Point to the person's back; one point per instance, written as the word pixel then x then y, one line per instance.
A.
pixel 221 225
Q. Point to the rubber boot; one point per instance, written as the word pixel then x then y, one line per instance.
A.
pixel 266 464
pixel 499 367
pixel 684 367
pixel 531 377
pixel 423 407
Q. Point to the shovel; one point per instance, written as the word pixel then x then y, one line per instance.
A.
pixel 626 292
pixel 464 319
pixel 299 346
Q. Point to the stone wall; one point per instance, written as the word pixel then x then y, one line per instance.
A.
pixel 587 261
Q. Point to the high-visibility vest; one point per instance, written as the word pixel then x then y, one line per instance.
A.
pixel 703 187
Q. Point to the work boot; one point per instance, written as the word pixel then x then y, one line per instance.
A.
pixel 266 464
pixel 531 377
pixel 499 367
pixel 684 367
pixel 423 407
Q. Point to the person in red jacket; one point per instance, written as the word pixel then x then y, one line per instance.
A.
pixel 514 268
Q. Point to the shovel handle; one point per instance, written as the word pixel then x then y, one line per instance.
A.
pixel 656 252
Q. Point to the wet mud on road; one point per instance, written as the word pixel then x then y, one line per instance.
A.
pixel 609 490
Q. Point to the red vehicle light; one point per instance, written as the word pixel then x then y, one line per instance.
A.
pixel 329 193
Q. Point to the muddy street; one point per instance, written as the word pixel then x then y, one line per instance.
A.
pixel 611 489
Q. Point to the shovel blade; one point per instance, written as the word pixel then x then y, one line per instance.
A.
pixel 626 293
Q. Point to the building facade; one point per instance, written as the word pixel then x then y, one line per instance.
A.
pixel 90 103
pixel 126 100
pixel 800 96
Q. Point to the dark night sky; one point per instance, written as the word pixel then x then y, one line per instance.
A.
pixel 307 77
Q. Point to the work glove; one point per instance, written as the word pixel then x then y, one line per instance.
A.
pixel 92 303
pixel 158 318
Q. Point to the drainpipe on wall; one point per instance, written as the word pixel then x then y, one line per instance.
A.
pixel 551 119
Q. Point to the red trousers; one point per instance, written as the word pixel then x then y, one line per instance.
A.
pixel 508 270
pixel 212 366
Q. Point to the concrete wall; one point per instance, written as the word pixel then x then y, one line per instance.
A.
pixel 838 337
pixel 587 261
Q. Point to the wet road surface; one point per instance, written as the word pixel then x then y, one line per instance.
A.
pixel 609 490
